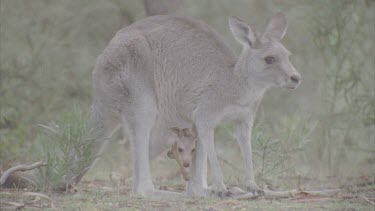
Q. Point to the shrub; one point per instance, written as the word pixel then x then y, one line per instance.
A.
pixel 67 148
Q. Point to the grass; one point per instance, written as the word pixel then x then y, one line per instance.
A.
pixel 67 148
pixel 92 196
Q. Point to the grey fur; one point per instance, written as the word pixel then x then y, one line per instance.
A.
pixel 170 71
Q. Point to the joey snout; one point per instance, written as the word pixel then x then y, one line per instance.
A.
pixel 186 164
pixel 173 154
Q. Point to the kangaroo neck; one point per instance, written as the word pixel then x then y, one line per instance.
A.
pixel 249 88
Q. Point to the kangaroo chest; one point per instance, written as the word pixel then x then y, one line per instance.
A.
pixel 235 112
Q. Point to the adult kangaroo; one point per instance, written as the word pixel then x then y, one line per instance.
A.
pixel 170 71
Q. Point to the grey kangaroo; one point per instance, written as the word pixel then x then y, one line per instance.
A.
pixel 170 71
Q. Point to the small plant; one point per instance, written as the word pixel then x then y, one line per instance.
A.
pixel 267 150
pixel 279 150
pixel 67 148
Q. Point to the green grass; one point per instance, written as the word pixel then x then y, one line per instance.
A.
pixel 67 148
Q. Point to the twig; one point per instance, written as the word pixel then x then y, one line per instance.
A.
pixel 229 163
pixel 10 171
pixel 368 200
pixel 289 193
pixel 270 194
pixel 78 178
pixel 12 205
pixel 325 192
pixel 37 194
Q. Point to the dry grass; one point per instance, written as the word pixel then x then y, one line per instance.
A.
pixel 101 195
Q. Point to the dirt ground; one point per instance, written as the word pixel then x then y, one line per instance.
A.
pixel 105 195
pixel 108 187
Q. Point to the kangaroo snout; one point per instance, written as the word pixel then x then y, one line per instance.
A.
pixel 186 165
pixel 295 78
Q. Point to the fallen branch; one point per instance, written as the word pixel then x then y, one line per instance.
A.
pixel 368 200
pixel 325 192
pixel 9 172
pixel 288 194
pixel 11 205
pixel 37 194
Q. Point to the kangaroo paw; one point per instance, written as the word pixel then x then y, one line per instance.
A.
pixel 253 188
pixel 221 191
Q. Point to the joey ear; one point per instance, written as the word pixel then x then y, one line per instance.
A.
pixel 170 154
pixel 241 31
pixel 189 132
pixel 276 27
pixel 177 131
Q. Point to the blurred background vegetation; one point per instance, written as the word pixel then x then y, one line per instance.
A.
pixel 323 131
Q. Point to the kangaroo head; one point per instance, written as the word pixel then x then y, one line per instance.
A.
pixel 185 144
pixel 264 59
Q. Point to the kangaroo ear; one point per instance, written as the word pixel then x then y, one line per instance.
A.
pixel 177 131
pixel 189 132
pixel 276 27
pixel 241 31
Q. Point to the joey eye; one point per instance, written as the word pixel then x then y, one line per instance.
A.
pixel 180 149
pixel 193 150
pixel 269 59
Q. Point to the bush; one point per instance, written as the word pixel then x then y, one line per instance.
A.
pixel 281 151
pixel 67 148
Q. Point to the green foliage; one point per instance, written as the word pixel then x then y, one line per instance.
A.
pixel 347 87
pixel 267 149
pixel 347 90
pixel 47 53
pixel 277 150
pixel 67 148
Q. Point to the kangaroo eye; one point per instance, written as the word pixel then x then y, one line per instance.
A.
pixel 180 149
pixel 269 59
pixel 193 150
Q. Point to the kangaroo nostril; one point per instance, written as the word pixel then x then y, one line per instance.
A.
pixel 186 165
pixel 295 79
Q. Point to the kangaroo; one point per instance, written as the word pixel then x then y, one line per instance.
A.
pixel 183 150
pixel 166 71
